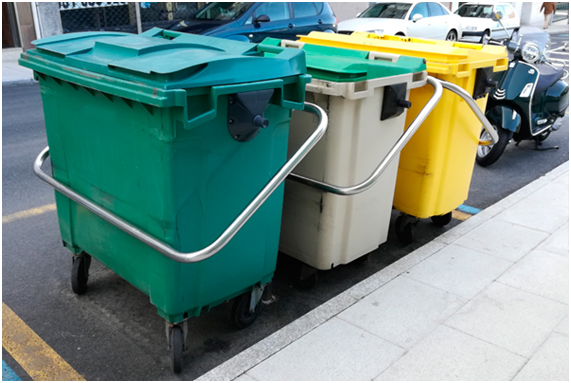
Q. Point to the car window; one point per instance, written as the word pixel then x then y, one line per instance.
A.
pixel 222 11
pixel 475 10
pixel 444 11
pixel 387 11
pixel 501 10
pixel 303 9
pixel 435 9
pixel 510 13
pixel 419 8
pixel 275 11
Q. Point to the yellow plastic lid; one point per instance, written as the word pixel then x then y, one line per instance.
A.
pixel 443 57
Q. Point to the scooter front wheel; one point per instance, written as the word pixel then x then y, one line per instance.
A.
pixel 489 154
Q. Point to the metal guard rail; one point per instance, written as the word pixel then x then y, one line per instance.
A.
pixel 397 147
pixel 438 85
pixel 230 231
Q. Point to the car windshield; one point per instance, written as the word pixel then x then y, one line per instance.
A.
pixel 387 11
pixel 475 10
pixel 222 11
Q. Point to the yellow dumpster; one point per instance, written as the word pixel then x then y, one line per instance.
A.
pixel 436 165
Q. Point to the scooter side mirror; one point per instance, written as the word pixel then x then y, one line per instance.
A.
pixel 496 16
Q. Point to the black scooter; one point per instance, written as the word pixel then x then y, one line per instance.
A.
pixel 529 96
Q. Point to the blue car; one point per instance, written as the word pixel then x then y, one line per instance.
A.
pixel 255 21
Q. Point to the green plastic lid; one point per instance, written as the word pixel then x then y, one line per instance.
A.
pixel 164 59
pixel 347 65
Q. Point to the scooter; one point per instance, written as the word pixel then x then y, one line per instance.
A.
pixel 529 97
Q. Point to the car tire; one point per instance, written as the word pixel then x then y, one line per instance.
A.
pixel 486 36
pixel 452 35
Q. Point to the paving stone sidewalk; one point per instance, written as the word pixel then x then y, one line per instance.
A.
pixel 487 300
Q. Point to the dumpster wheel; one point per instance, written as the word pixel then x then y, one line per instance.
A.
pixel 307 278
pixel 80 273
pixel 441 220
pixel 405 229
pixel 241 315
pixel 176 347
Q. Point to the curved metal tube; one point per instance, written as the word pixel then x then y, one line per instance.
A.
pixel 397 147
pixel 229 233
pixel 472 104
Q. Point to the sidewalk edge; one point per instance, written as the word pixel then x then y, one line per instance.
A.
pixel 254 355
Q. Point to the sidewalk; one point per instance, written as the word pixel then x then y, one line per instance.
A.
pixel 12 73
pixel 487 300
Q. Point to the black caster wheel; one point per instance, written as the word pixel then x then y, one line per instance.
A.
pixel 308 283
pixel 363 260
pixel 404 229
pixel 307 278
pixel 241 315
pixel 176 347
pixel 441 220
pixel 80 273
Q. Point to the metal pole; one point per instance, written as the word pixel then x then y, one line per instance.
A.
pixel 391 155
pixel 138 17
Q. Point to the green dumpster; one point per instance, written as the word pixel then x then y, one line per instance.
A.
pixel 158 142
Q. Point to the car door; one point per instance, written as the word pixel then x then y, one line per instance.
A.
pixel 512 21
pixel 439 19
pixel 422 27
pixel 305 18
pixel 280 25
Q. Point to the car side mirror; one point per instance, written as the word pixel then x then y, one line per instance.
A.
pixel 262 19
pixel 496 16
pixel 416 17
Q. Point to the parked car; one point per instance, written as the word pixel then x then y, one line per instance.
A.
pixel 256 21
pixel 477 23
pixel 426 19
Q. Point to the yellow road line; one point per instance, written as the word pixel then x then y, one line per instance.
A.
pixel 28 213
pixel 459 215
pixel 34 355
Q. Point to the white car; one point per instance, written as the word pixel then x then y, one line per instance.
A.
pixel 477 22
pixel 426 19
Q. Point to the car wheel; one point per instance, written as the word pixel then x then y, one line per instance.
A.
pixel 400 34
pixel 486 36
pixel 452 36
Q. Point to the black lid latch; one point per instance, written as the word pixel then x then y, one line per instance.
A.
pixel 394 101
pixel 246 113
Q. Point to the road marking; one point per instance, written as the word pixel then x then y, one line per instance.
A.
pixel 469 209
pixel 8 374
pixel 34 355
pixel 28 213
pixel 460 216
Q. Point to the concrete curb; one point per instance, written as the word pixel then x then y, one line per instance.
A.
pixel 247 359
pixel 9 83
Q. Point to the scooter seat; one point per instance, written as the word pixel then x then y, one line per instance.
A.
pixel 547 77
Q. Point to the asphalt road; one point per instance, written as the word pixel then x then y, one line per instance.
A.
pixel 113 332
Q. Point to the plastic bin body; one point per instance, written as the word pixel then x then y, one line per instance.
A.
pixel 322 229
pixel 436 165
pixel 156 151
